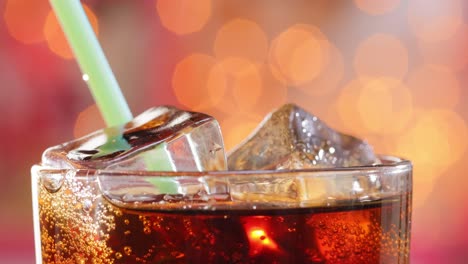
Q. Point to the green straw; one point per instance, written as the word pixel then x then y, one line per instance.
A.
pixel 92 61
pixel 103 85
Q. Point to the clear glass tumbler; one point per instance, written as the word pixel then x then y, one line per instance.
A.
pixel 339 215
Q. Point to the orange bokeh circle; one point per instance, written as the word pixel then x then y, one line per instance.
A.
pixel 55 38
pixel 184 16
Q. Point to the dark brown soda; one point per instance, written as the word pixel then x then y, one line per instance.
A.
pixel 350 232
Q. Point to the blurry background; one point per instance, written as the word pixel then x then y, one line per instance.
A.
pixel 393 72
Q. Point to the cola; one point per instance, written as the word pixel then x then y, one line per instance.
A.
pixel 79 223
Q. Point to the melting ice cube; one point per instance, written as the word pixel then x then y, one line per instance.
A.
pixel 162 138
pixel 291 138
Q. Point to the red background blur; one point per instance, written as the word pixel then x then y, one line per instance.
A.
pixel 393 72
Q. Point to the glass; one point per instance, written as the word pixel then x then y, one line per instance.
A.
pixel 342 215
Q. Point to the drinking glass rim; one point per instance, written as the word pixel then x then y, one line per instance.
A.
pixel 391 163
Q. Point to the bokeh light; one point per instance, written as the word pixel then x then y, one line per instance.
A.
pixel 381 55
pixel 347 108
pixel 436 140
pixel 434 20
pixel 450 52
pixel 184 16
pixel 24 19
pixel 373 7
pixel 385 105
pixel 296 55
pixel 331 74
pixel 250 88
pixel 241 38
pixel 56 39
pixel 274 93
pixel 434 86
pixel 89 120
pixel 237 127
pixel 374 106
pixel 244 84
pixel 197 83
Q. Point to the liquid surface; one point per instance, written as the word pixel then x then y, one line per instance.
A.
pixel 79 226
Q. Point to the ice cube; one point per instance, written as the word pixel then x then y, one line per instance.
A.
pixel 291 138
pixel 324 188
pixel 293 189
pixel 162 138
